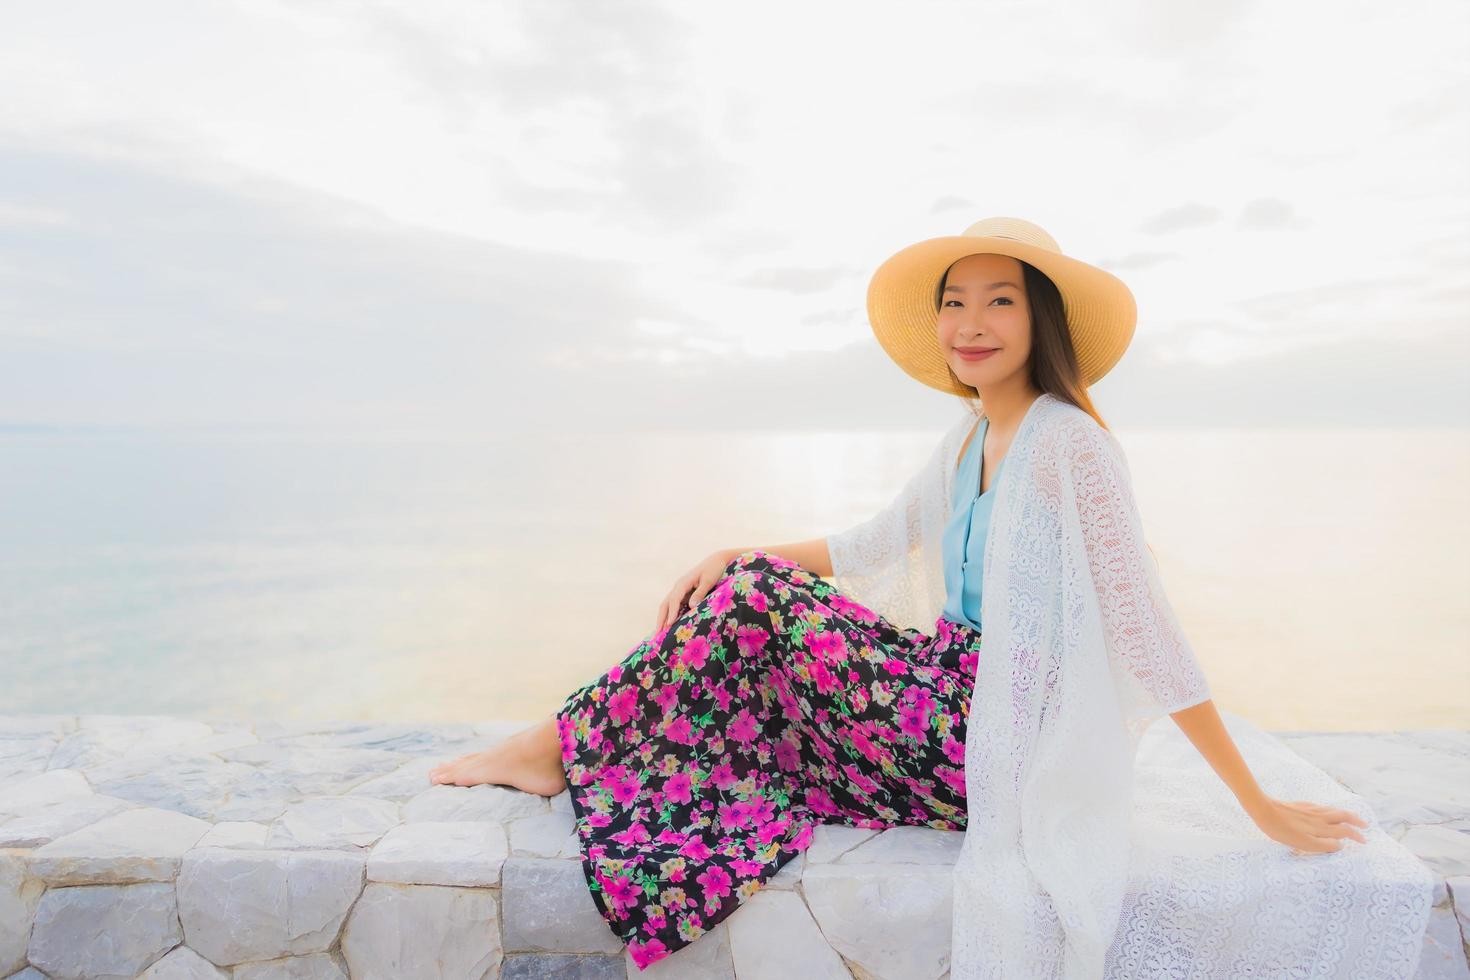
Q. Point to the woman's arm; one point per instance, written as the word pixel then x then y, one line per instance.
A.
pixel 811 554
pixel 1145 641
pixel 1145 638
pixel 1202 725
pixel 1305 827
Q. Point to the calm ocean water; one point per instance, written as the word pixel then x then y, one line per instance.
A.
pixel 1323 577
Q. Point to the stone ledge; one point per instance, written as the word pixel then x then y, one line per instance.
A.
pixel 163 847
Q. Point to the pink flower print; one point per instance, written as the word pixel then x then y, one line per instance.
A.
pixel 611 775
pixel 784 697
pixel 920 697
pixel 788 756
pixel 744 810
pixel 852 610
pixel 716 882
pixel 615 673
pixel 621 892
pixel 803 838
pixel 825 680
pixel 678 787
pixel 623 705
pixel 861 781
pixel 636 834
pixel 761 809
pixel 773 829
pixel 912 720
pixel 565 729
pixel 955 778
pixel 723 776
pixel 624 790
pixel 645 953
pixel 895 666
pixel 819 802
pixel 858 736
pixel 746 868
pixel 744 728
pixel 671 836
pixel 970 662
pixel 954 750
pixel 666 696
pixel 776 561
pixel 827 645
pixel 695 849
pixel 599 819
pixel 722 598
pixel 757 600
pixel 681 730
pixel 734 815
pixel 695 652
pixel 751 640
pixel 722 698
pixel 657 919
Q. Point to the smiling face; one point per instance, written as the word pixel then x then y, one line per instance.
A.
pixel 984 306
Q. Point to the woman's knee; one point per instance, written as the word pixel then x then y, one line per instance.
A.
pixel 761 561
pixel 756 592
pixel 744 561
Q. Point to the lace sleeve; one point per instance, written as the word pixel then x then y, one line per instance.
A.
pixel 872 562
pixel 891 562
pixel 1151 658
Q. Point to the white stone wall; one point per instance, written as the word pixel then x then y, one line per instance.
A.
pixel 171 848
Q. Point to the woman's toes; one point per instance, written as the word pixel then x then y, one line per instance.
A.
pixel 441 772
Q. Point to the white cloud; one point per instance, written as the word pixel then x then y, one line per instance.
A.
pixel 345 210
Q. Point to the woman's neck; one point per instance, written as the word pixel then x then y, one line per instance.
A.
pixel 1006 406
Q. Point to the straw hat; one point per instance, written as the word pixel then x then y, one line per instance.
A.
pixel 903 309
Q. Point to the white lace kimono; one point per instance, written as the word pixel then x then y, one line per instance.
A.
pixel 1098 846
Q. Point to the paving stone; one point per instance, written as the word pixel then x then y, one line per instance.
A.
pixel 440 853
pixel 240 905
pixel 94 931
pixel 428 931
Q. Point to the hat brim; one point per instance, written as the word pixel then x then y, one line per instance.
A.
pixel 1101 311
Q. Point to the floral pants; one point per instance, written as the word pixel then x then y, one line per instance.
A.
pixel 703 762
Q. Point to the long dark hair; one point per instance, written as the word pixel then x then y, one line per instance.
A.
pixel 1053 361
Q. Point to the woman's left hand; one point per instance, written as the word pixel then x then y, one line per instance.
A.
pixel 1307 827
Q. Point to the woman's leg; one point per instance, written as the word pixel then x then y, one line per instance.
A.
pixel 529 760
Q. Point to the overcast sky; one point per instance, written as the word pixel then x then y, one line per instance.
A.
pixel 430 215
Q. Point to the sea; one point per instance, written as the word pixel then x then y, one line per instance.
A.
pixel 1322 576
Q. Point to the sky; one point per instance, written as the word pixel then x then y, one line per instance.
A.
pixel 432 216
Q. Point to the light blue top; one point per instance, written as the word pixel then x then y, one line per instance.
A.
pixel 964 533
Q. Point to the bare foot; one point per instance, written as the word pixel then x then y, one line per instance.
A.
pixel 522 761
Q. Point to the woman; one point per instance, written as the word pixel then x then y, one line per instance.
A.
pixel 767 701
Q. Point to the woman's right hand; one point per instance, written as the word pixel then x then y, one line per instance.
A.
pixel 1308 828
pixel 693 586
